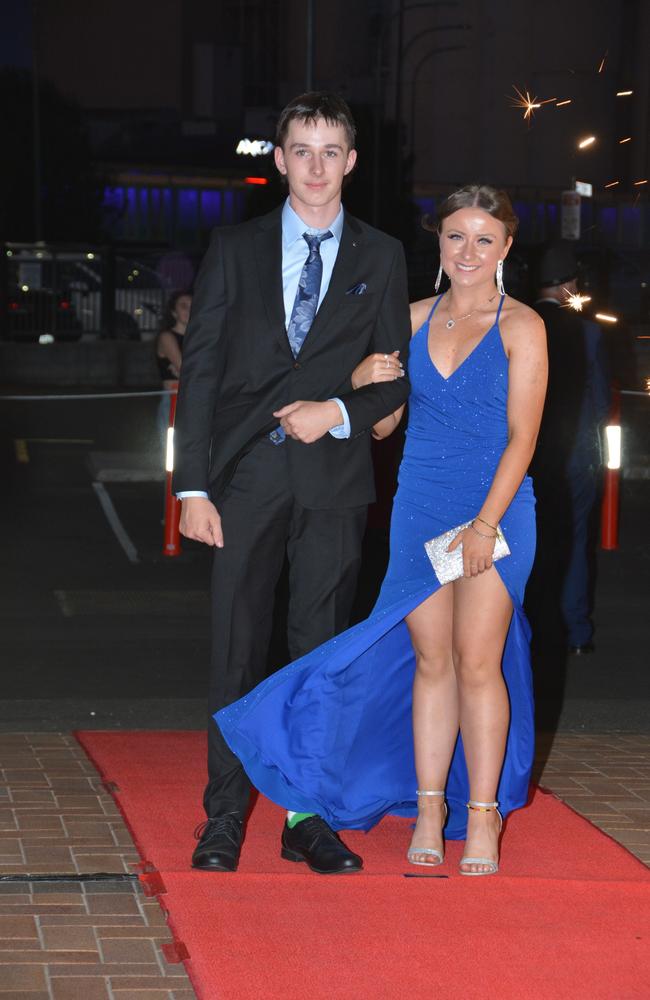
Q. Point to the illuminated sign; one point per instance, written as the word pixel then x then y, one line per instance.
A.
pixel 254 147
pixel 585 189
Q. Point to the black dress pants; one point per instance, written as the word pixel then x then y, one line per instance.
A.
pixel 261 522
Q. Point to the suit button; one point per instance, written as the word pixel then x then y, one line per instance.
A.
pixel 296 365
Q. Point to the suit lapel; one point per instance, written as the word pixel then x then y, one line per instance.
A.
pixel 345 268
pixel 268 257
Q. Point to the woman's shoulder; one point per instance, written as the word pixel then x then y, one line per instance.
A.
pixel 420 311
pixel 519 320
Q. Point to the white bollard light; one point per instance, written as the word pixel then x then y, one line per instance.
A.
pixel 169 454
pixel 613 439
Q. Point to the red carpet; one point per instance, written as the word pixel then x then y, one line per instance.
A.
pixel 568 916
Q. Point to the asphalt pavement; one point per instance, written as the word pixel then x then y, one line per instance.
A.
pixel 100 630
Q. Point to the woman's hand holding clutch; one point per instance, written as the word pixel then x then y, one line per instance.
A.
pixel 478 548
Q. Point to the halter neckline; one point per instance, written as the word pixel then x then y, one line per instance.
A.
pixel 437 302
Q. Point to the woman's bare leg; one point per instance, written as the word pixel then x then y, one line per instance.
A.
pixel 482 614
pixel 435 712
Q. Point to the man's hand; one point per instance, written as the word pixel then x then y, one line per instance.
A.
pixel 307 422
pixel 200 520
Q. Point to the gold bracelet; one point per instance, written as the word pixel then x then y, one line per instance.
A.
pixel 480 533
pixel 487 523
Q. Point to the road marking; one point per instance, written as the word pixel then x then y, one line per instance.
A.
pixel 62 440
pixel 22 451
pixel 116 525
pixel 64 604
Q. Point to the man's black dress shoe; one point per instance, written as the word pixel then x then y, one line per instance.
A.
pixel 583 650
pixel 314 842
pixel 219 844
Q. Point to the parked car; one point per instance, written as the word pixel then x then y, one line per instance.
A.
pixel 34 312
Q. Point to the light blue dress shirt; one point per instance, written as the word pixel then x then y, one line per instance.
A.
pixel 294 255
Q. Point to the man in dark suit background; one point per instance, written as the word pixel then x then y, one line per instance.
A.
pixel 273 443
pixel 567 464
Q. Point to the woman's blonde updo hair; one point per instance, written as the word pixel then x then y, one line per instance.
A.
pixel 493 201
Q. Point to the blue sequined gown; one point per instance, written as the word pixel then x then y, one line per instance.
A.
pixel 331 733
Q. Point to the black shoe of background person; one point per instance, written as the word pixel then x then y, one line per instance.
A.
pixel 585 649
pixel 313 841
pixel 219 844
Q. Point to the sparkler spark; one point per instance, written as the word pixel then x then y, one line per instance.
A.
pixel 606 318
pixel 628 138
pixel 612 184
pixel 575 301
pixel 588 141
pixel 526 103
pixel 639 183
pixel 624 93
pixel 603 61
pixel 562 104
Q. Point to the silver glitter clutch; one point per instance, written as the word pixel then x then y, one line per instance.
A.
pixel 448 566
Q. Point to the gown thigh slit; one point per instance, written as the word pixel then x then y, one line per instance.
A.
pixel 331 733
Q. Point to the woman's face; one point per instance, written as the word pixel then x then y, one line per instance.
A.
pixel 181 311
pixel 472 242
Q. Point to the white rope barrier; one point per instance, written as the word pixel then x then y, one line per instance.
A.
pixel 91 395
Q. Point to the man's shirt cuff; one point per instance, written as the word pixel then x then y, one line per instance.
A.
pixel 343 429
pixel 192 493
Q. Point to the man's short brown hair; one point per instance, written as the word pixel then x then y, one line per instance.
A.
pixel 309 108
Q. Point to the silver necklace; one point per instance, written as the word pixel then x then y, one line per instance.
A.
pixel 451 322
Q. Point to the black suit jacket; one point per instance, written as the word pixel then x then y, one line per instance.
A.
pixel 238 367
pixel 567 385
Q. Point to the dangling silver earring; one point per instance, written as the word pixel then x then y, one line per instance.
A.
pixel 499 278
pixel 436 287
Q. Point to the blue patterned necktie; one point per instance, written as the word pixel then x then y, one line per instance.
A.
pixel 306 301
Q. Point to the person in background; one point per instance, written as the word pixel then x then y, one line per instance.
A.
pixel 567 465
pixel 169 350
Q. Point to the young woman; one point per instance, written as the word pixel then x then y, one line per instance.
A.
pixel 455 658
pixel 169 342
pixel 169 351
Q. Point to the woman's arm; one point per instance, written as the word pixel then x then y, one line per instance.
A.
pixel 524 338
pixel 384 368
pixel 166 347
pixel 384 428
pixel 380 368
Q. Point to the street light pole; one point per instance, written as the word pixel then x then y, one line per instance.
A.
pixel 309 69
pixel 398 99
pixel 381 37
pixel 36 132
pixel 416 74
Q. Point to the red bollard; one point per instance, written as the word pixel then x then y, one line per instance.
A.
pixel 610 508
pixel 172 535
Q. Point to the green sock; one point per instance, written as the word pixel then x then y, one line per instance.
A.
pixel 293 818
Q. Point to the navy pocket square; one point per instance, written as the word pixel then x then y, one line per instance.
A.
pixel 359 289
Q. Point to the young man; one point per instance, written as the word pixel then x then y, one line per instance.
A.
pixel 272 442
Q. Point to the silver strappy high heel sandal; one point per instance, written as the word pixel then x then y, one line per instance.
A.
pixel 491 865
pixel 431 851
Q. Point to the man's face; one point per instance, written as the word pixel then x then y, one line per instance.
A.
pixel 315 159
